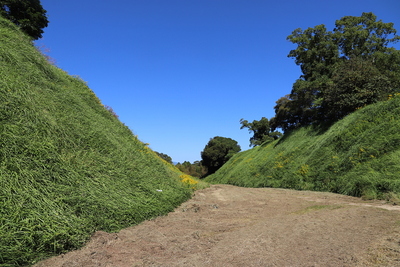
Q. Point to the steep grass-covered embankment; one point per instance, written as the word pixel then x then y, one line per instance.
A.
pixel 68 167
pixel 358 156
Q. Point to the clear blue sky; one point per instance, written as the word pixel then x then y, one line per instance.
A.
pixel 179 72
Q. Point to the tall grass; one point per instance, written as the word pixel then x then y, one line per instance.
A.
pixel 68 167
pixel 356 156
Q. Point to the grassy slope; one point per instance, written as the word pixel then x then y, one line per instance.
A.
pixel 357 156
pixel 67 166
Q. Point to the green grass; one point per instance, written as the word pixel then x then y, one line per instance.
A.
pixel 357 156
pixel 316 208
pixel 68 167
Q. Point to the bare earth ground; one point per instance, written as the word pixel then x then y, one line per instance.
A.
pixel 232 226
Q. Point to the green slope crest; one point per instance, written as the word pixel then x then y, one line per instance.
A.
pixel 357 156
pixel 68 167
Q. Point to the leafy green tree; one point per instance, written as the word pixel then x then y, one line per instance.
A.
pixel 261 131
pixel 195 169
pixel 316 51
pixel 355 84
pixel 363 36
pixel 333 83
pixel 198 170
pixel 217 152
pixel 164 157
pixel 285 114
pixel 29 15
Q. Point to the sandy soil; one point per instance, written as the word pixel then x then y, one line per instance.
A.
pixel 231 226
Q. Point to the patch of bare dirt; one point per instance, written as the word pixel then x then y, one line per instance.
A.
pixel 232 226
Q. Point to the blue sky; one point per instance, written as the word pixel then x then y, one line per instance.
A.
pixel 179 72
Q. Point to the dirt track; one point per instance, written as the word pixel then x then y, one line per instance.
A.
pixel 231 226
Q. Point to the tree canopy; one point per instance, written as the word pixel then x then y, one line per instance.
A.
pixel 217 152
pixel 261 131
pixel 195 169
pixel 164 157
pixel 29 15
pixel 342 70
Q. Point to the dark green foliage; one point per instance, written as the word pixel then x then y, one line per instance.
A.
pixel 316 51
pixel 363 36
pixel 164 157
pixel 356 156
pixel 195 169
pixel 355 84
pixel 287 114
pixel 218 151
pixel 68 167
pixel 29 15
pixel 345 69
pixel 261 131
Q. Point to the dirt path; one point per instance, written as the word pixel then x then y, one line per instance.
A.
pixel 231 226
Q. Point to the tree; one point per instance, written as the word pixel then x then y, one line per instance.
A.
pixel 164 157
pixel 285 115
pixel 355 84
pixel 333 81
pixel 261 131
pixel 217 152
pixel 195 169
pixel 316 51
pixel 29 15
pixel 363 36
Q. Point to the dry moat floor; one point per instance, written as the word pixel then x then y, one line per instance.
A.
pixel 232 226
